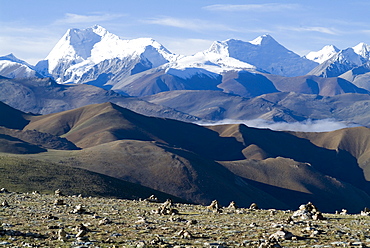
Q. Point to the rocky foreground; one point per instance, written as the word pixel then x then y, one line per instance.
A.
pixel 38 220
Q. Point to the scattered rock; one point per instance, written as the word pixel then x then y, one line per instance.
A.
pixel 281 235
pixel 79 209
pixel 185 234
pixel 152 198
pixel 5 204
pixel 82 231
pixel 59 202
pixel 271 243
pixel 104 221
pixel 62 235
pixel 4 190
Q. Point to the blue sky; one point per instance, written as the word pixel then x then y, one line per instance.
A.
pixel 30 28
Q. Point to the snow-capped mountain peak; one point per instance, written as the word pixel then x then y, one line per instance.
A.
pixel 363 50
pixel 324 54
pixel 82 51
pixel 258 53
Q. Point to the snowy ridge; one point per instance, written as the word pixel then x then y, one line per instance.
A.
pixel 12 67
pixel 324 54
pixel 210 62
pixel 258 53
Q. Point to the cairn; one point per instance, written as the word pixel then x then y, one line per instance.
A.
pixel 308 212
pixel 254 206
pixel 58 192
pixel 232 205
pixel 214 206
pixel 166 209
pixel 344 212
pixel 365 212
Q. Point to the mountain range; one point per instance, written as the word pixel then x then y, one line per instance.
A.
pixel 132 114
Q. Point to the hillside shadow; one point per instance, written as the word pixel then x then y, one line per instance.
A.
pixel 326 202
pixel 338 164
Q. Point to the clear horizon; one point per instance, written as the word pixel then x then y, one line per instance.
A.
pixel 30 29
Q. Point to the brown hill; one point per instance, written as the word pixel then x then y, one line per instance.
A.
pixel 102 123
pixel 172 170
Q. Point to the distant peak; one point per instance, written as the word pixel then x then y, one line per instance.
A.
pixel 263 39
pixel 11 57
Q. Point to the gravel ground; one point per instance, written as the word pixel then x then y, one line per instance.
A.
pixel 36 220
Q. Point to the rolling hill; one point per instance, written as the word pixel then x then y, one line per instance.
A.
pixel 199 164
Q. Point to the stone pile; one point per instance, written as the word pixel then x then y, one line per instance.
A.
pixel 308 212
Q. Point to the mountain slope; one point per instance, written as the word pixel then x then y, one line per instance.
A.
pixel 44 96
pixel 108 122
pixel 46 177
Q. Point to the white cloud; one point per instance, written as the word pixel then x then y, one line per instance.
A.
pixel 323 30
pixel 70 18
pixel 324 125
pixel 191 24
pixel 267 7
